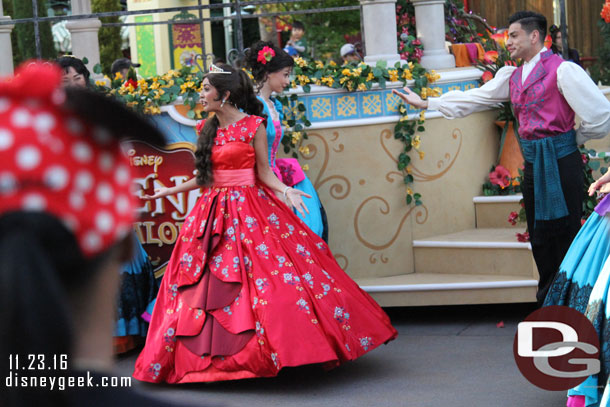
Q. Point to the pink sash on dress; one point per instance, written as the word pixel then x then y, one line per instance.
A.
pixel 234 178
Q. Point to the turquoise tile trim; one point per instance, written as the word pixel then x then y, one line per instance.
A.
pixel 320 108
pixel 346 106
pixel 361 105
pixel 371 102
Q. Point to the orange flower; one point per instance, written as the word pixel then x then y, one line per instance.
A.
pixel 548 41
pixel 500 39
pixel 487 76
pixel 605 14
pixel 491 57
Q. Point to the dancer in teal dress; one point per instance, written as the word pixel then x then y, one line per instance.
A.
pixel 271 68
pixel 138 292
pixel 583 284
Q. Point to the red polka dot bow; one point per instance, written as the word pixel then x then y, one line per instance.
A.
pixel 52 161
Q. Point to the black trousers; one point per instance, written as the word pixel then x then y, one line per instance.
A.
pixel 549 249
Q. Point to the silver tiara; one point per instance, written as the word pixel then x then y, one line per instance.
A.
pixel 216 69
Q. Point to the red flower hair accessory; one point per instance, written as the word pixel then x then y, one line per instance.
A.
pixel 265 55
pixel 51 161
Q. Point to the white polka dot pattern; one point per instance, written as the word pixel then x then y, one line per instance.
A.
pixel 28 158
pixel 51 161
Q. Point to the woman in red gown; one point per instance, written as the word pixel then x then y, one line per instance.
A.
pixel 249 289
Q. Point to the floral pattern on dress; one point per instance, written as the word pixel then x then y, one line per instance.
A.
pixel 290 293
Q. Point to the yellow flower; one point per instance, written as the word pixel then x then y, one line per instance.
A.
pixel 296 135
pixel 300 62
pixel 185 87
pixel 319 64
pixel 346 72
pixel 328 80
pixel 370 76
pixel 435 92
pixel 424 93
pixel 304 150
pixel 118 76
pixel 421 155
pixel 432 76
pixel 409 170
pixel 416 142
pixel 422 115
pixel 406 74
pixel 161 92
pixel 305 167
pixel 293 84
pixel 155 85
pixel 409 191
pixel 332 63
pixel 100 83
pixel 393 75
pixel 357 71
pixel 362 86
pixel 350 86
pixel 248 72
pixel 343 80
pixel 411 66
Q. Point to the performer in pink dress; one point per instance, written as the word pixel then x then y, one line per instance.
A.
pixel 250 289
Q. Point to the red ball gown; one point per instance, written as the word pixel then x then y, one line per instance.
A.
pixel 249 289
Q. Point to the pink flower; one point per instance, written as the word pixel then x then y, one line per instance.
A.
pixel 585 159
pixel 500 177
pixel 512 218
pixel 265 55
pixel 523 237
pixel 487 76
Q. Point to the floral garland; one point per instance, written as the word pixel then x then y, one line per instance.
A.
pixel 149 94
pixel 361 77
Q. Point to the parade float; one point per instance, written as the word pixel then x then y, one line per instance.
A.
pixel 402 188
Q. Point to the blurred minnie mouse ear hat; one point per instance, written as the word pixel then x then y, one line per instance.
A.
pixel 53 161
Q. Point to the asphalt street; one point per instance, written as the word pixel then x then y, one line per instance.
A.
pixel 444 356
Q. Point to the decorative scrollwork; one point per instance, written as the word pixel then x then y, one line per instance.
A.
pixel 373 260
pixel 420 217
pixel 342 187
pixel 443 165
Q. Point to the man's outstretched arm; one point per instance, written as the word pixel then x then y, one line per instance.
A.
pixel 457 103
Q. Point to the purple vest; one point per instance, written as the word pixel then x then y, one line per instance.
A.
pixel 541 109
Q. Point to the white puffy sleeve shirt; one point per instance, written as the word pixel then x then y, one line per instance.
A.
pixel 581 93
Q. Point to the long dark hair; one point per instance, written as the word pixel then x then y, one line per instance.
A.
pixel 259 70
pixel 241 96
pixel 42 267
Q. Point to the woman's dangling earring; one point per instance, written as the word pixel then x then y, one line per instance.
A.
pixel 223 103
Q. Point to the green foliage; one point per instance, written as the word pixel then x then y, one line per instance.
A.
pixel 592 164
pixel 325 32
pixel 601 70
pixel 24 33
pixel 109 37
pixel 295 121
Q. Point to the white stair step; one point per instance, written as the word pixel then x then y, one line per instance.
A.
pixel 475 251
pixel 418 289
pixel 493 211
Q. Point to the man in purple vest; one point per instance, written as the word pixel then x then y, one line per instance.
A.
pixel 546 93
